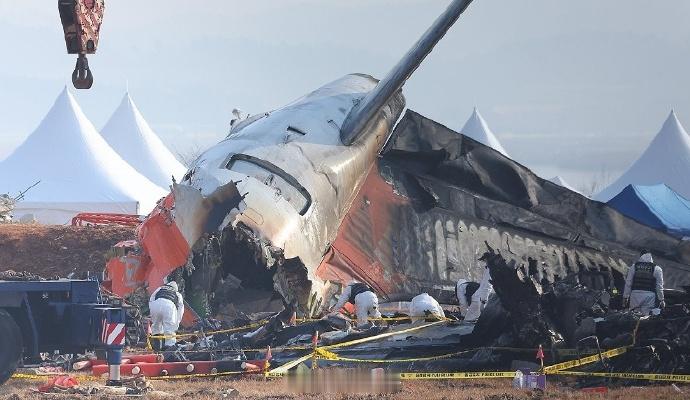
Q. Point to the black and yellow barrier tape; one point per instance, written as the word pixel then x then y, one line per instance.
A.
pixel 324 351
pixel 43 377
pixel 327 355
pixel 261 323
pixel 200 333
pixel 382 336
pixel 628 375
pixel 456 375
pixel 585 360
pixel 188 376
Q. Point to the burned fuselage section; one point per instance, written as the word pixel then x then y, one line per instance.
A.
pixel 298 181
pixel 275 218
pixel 435 198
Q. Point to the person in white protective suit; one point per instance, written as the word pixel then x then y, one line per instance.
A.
pixel 426 306
pixel 644 285
pixel 363 298
pixel 464 290
pixel 166 306
pixel 473 297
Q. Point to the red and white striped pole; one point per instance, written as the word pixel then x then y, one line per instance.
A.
pixel 113 338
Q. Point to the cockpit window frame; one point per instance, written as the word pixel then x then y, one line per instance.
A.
pixel 274 169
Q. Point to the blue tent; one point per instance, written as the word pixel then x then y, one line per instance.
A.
pixel 657 206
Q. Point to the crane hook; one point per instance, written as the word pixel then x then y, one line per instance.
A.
pixel 82 78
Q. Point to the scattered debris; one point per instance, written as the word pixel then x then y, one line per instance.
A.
pixel 66 384
pixel 566 314
pixel 24 276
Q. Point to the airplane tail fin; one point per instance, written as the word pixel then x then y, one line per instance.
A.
pixel 360 116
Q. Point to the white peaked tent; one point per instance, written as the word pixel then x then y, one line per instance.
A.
pixel 561 182
pixel 77 170
pixel 133 139
pixel 477 128
pixel 666 160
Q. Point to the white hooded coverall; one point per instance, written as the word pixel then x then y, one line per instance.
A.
pixel 166 315
pixel 479 298
pixel 424 305
pixel 366 304
pixel 644 300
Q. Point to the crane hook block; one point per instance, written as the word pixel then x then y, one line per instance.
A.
pixel 81 23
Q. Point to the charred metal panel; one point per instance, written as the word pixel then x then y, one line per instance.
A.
pixel 435 199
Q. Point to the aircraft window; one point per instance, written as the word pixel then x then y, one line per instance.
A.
pixel 284 184
pixel 296 130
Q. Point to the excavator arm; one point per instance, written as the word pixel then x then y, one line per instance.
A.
pixel 81 23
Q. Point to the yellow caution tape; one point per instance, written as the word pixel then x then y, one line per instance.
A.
pixel 324 354
pixel 97 378
pixel 400 360
pixel 456 375
pixel 213 375
pixel 629 375
pixel 273 374
pixel 432 358
pixel 282 370
pixel 45 377
pixel 382 336
pixel 199 333
pixel 28 376
pixel 585 360
pixel 261 323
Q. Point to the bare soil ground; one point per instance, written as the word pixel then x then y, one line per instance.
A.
pixel 55 251
pixel 420 390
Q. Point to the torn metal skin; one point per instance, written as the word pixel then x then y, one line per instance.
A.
pixel 435 197
pixel 297 180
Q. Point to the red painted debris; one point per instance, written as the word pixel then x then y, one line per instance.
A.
pixel 58 382
pixel 597 389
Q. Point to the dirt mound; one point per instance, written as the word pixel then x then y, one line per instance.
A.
pixel 50 251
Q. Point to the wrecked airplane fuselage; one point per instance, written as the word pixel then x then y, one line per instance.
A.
pixel 310 194
pixel 299 167
pixel 298 180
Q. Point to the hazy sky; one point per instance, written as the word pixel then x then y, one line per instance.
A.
pixel 569 87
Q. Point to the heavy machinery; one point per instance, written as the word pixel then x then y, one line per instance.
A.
pixel 81 23
pixel 69 316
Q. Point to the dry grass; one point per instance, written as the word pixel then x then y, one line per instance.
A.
pixel 418 390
